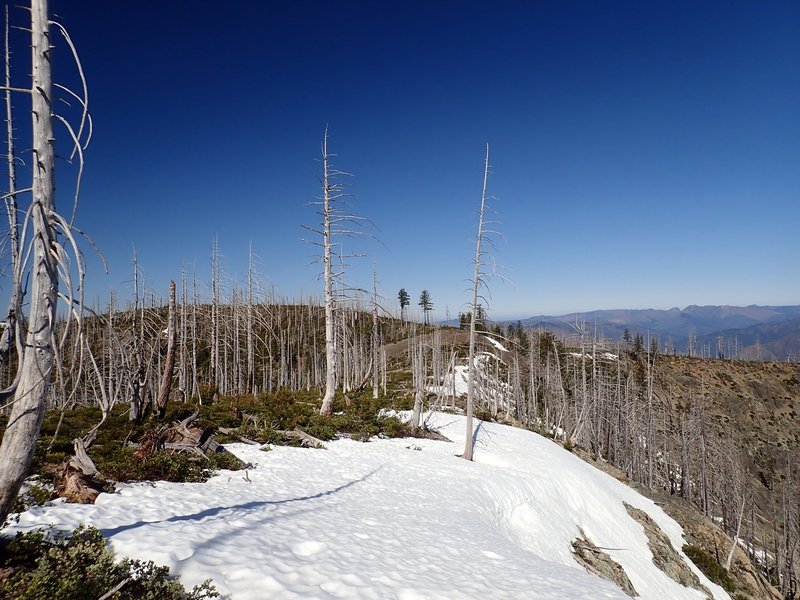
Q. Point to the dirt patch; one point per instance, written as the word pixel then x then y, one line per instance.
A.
pixel 448 337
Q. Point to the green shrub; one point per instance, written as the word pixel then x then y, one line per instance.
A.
pixel 484 414
pixel 122 464
pixel 78 566
pixel 395 428
pixel 710 567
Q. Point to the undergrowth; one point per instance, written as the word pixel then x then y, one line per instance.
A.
pixel 122 464
pixel 258 418
pixel 261 418
pixel 710 567
pixel 44 565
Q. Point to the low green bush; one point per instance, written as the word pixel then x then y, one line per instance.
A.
pixel 710 567
pixel 122 464
pixel 395 428
pixel 78 566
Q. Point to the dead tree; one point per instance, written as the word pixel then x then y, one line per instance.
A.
pixel 43 230
pixel 375 337
pixel 336 223
pixel 11 333
pixel 418 372
pixel 216 367
pixel 251 360
pixel 330 191
pixel 479 277
pixel 138 381
pixel 169 363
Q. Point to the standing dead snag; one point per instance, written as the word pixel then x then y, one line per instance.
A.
pixel 10 335
pixel 336 223
pixel 46 260
pixel 169 363
pixel 19 441
pixel 24 424
pixel 329 193
pixel 478 278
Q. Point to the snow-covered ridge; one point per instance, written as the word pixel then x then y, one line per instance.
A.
pixel 392 518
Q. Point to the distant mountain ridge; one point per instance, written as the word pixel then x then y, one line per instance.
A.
pixel 763 332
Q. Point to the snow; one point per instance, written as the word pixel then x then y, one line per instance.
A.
pixel 456 381
pixel 391 518
pixel 496 344
pixel 605 355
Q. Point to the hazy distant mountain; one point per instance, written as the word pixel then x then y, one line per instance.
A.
pixel 769 332
pixel 768 341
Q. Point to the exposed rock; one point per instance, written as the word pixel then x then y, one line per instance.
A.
pixel 665 557
pixel 597 562
pixel 699 531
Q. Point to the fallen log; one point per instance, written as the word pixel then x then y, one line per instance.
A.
pixel 232 431
pixel 306 440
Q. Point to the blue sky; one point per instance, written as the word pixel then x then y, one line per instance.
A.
pixel 644 154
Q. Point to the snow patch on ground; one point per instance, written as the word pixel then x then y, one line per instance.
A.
pixel 496 343
pixel 379 520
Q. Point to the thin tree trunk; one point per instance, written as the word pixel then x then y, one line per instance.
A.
pixel 376 357
pixel 251 361
pixel 735 541
pixel 24 424
pixel 476 279
pixel 11 334
pixel 169 363
pixel 215 308
pixel 418 376
pixel 330 348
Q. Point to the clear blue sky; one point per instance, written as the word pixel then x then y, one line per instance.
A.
pixel 644 154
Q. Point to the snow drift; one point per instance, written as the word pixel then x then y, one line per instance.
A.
pixel 392 518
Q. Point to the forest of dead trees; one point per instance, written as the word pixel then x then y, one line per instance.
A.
pixel 606 397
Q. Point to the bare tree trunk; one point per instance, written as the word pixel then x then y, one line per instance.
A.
pixel 24 424
pixel 169 363
pixel 11 334
pixel 330 346
pixel 183 378
pixel 418 371
pixel 476 280
pixel 735 541
pixel 195 381
pixel 375 337
pixel 216 368
pixel 251 361
pixel 136 414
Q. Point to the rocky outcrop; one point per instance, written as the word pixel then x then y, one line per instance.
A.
pixel 599 563
pixel 665 557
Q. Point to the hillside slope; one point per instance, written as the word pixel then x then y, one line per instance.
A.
pixel 755 403
pixel 752 332
pixel 394 518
